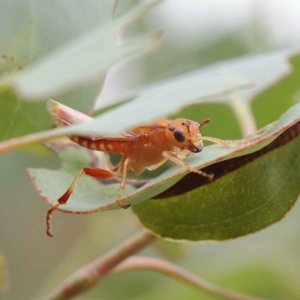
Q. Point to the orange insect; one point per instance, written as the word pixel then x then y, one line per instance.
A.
pixel 143 147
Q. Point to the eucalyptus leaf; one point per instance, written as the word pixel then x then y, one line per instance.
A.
pixel 213 84
pixel 29 71
pixel 278 97
pixel 19 118
pixel 243 201
pixel 217 83
pixel 90 193
pixel 257 71
pixel 80 62
pixel 30 29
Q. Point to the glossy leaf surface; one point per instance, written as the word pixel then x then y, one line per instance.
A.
pixel 243 201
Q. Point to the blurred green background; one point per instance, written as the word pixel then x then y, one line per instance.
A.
pixel 197 33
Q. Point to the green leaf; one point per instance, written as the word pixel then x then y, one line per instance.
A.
pixel 51 184
pixel 283 94
pixel 73 66
pixel 216 83
pixel 78 64
pixel 240 201
pixel 82 61
pixel 18 118
pixel 31 29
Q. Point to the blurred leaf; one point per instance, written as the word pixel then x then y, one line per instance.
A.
pixel 18 118
pixel 213 84
pixel 168 249
pixel 279 96
pixel 52 184
pixel 248 75
pixel 263 70
pixel 82 61
pixel 173 60
pixel 276 285
pixel 85 59
pixel 30 29
pixel 4 279
pixel 145 110
pixel 248 194
pixel 31 37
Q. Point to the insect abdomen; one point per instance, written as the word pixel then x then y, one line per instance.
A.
pixel 100 145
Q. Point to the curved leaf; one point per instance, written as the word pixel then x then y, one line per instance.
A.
pixel 29 71
pixel 241 200
pixel 89 193
pixel 209 84
pixel 18 118
pixel 287 88
pixel 82 61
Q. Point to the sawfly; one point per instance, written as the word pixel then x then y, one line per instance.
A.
pixel 144 147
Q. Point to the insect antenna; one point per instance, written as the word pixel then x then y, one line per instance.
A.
pixel 206 121
pixel 213 140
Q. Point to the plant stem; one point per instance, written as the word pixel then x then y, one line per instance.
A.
pixel 172 270
pixel 88 276
pixel 242 111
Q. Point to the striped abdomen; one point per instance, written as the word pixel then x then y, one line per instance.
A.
pixel 104 145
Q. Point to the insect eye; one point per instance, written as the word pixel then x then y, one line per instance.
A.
pixel 179 135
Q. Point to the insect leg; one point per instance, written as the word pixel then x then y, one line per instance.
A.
pixel 94 172
pixel 172 156
pixel 216 141
pixel 179 154
pixel 154 167
pixel 124 167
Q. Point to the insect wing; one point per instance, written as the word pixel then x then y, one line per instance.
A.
pixel 64 115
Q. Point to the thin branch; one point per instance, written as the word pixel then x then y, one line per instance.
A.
pixel 171 270
pixel 88 276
